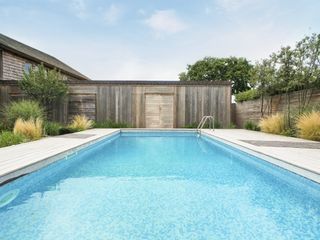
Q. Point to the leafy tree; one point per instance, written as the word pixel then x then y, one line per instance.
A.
pixel 45 86
pixel 262 77
pixel 236 70
pixel 307 56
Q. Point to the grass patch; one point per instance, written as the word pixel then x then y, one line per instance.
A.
pixel 111 124
pixel 250 125
pixel 308 126
pixel 25 109
pixel 273 124
pixel 52 128
pixel 80 123
pixel 8 138
pixel 31 129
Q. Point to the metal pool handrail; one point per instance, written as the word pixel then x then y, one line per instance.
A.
pixel 203 121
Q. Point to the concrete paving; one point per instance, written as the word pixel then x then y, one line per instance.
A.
pixel 297 155
pixel 303 160
pixel 24 158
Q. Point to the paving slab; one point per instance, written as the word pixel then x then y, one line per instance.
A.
pixel 27 157
pixel 303 160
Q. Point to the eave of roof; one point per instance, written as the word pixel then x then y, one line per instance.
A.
pixel 33 54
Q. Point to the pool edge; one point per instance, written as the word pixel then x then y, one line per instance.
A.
pixel 32 167
pixel 299 170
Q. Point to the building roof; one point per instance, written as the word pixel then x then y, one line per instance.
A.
pixel 38 56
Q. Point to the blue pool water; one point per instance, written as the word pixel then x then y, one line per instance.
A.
pixel 160 186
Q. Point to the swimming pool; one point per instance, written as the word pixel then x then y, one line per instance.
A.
pixel 160 185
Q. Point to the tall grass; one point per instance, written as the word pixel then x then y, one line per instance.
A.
pixel 250 125
pixel 52 128
pixel 111 124
pixel 308 126
pixel 9 138
pixel 80 123
pixel 31 129
pixel 24 109
pixel 273 124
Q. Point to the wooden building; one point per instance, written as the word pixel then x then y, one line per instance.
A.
pixel 150 104
pixel 16 57
pixel 142 104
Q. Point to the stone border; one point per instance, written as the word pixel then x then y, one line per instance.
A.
pixel 19 172
pixel 314 176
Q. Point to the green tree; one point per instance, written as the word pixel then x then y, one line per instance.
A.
pixel 262 77
pixel 307 62
pixel 236 70
pixel 45 86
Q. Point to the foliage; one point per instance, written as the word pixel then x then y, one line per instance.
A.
pixel 249 125
pixel 191 125
pixel 2 127
pixel 231 126
pixel 236 70
pixel 9 138
pixel 308 126
pixel 80 123
pixel 67 130
pixel 111 124
pixel 217 124
pixel 31 129
pixel 52 128
pixel 43 85
pixel 273 124
pixel 247 95
pixel 24 109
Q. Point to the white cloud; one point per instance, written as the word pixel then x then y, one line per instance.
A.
pixel 165 21
pixel 142 12
pixel 207 10
pixel 113 14
pixel 234 5
pixel 79 8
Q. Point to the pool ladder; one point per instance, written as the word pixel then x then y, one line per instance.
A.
pixel 203 122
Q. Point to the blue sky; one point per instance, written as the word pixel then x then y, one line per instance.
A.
pixel 155 39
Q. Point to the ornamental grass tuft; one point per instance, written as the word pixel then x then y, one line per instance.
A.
pixel 308 126
pixel 273 124
pixel 80 123
pixel 31 129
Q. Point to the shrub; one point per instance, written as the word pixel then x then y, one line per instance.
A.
pixel 191 125
pixel 80 123
pixel 273 124
pixel 247 95
pixel 31 129
pixel 8 138
pixel 308 126
pixel 217 124
pixel 45 86
pixel 52 128
pixel 25 109
pixel 249 125
pixel 2 127
pixel 66 130
pixel 111 124
pixel 231 126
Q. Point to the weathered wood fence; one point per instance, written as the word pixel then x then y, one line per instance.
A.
pixel 169 104
pixel 253 110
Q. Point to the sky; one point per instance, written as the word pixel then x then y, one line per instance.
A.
pixel 155 39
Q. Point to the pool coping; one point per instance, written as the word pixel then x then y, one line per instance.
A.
pixel 292 167
pixel 34 166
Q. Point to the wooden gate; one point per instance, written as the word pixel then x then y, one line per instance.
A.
pixel 159 110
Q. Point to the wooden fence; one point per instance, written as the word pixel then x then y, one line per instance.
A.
pixel 253 110
pixel 126 101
